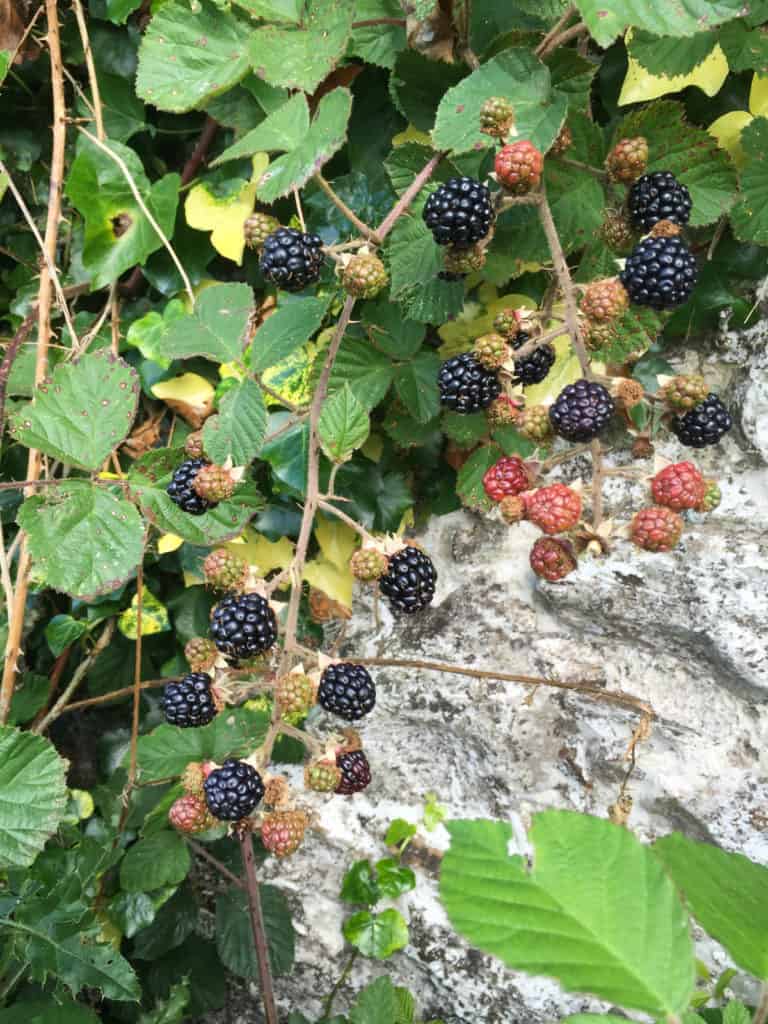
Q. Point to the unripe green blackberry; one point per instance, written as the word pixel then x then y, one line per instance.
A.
pixel 685 392
pixel 502 411
pixel 712 497
pixel 322 776
pixel 603 300
pixel 225 571
pixel 598 333
pixel 295 694
pixel 506 323
pixel 193 445
pixel 368 564
pixel 213 483
pixel 491 350
pixel 497 117
pixel 534 424
pixel 627 160
pixel 364 276
pixel 463 261
pixel 193 777
pixel 200 653
pixel 617 231
pixel 258 227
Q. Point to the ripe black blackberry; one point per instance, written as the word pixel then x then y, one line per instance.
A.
pixel 181 491
pixel 532 369
pixel 581 410
pixel 355 772
pixel 459 212
pixel 703 425
pixel 347 690
pixel 189 702
pixel 243 625
pixel 409 582
pixel 233 791
pixel 291 259
pixel 658 196
pixel 660 273
pixel 465 384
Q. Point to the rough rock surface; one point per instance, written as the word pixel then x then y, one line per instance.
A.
pixel 685 631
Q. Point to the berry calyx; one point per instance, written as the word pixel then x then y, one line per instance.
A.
pixel 294 694
pixel 291 259
pixel 552 559
pixel 502 411
pixel 581 411
pixel 233 791
pixel 364 276
pixel 627 160
pixel 497 117
pixel 214 484
pixel 368 564
pixel 703 425
pixel 491 350
pixel 355 772
pixel 685 392
pixel 712 497
pixel 181 489
pixel 465 385
pixel 257 229
pixel 554 509
pixel 512 509
pixel 190 815
pixel 604 300
pixel 224 570
pixel 518 167
pixel 679 486
pixel 665 229
pixel 410 580
pixel 243 625
pixel 508 476
pixel 189 703
pixel 660 273
pixel 658 196
pixel 200 653
pixel 656 528
pixel 322 776
pixel 630 392
pixel 459 212
pixel 534 424
pixel 347 690
pixel 283 831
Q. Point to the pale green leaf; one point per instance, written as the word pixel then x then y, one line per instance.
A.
pixel 167 750
pixel 287 329
pixel 160 859
pixel 376 1004
pixel 750 215
pixel 344 425
pixel 33 796
pixel 736 1013
pixel 376 935
pixel 607 19
pixel 238 429
pixel 217 329
pixel 281 131
pixel 274 10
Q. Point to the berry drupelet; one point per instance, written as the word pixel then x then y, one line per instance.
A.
pixel 189 702
pixel 347 690
pixel 660 272
pixel 533 368
pixel 459 212
pixel 658 196
pixel 233 791
pixel 181 491
pixel 243 625
pixel 465 384
pixel 291 259
pixel 409 583
pixel 581 411
pixel 703 425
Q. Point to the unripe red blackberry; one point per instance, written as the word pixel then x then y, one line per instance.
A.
pixel 518 167
pixel 190 815
pixel 322 776
pixel 491 350
pixel 224 570
pixel 508 476
pixel 679 486
pixel 656 528
pixel 685 392
pixel 533 423
pixel 200 653
pixel 552 559
pixel 368 564
pixel 627 160
pixel 295 694
pixel 554 509
pixel 283 831
pixel 604 300
pixel 214 483
pixel 497 117
pixel 617 231
pixel 257 229
pixel 364 276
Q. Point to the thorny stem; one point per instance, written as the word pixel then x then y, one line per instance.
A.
pixel 131 782
pixel 326 506
pixel 408 196
pixel 257 927
pixel 223 870
pixel 562 38
pixel 328 1005
pixel 596 172
pixel 77 677
pixel 339 203
pixel 556 29
pixel 98 111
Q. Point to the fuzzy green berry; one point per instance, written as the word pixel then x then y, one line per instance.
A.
pixel 712 497
pixel 295 694
pixel 364 276
pixel 463 261
pixel 225 571
pixel 368 564
pixel 534 424
pixel 322 776
pixel 257 229
pixel 502 411
pixel 491 350
pixel 685 392
pixel 506 323
pixel 617 231
pixel 497 117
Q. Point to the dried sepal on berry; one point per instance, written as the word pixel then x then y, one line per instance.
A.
pixel 277 791
pixel 629 392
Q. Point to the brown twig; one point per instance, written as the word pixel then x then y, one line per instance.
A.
pixel 11 352
pixel 597 482
pixel 562 38
pixel 339 203
pixel 132 757
pixel 77 677
pixel 577 165
pixel 556 29
pixel 257 927
pixel 98 111
pixel 223 870
pixel 407 197
pixel 125 691
pixel 54 679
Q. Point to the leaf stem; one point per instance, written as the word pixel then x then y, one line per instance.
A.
pixel 407 197
pixel 131 782
pixel 328 1004
pixel 257 927
pixel 558 27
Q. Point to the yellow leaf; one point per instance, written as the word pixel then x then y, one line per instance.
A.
pixel 154 616
pixel 337 541
pixel 225 218
pixel 758 96
pixel 565 370
pixel 291 378
pixel 640 85
pixel 169 542
pixel 190 395
pixel 84 803
pixel 412 134
pixel 227 370
pixel 335 582
pixel 476 320
pixel 262 554
pixel 727 130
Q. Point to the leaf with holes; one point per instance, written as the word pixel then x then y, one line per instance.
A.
pixel 84 540
pixel 82 413
pixel 238 429
pixel 343 426
pixel 607 19
pixel 216 329
pixel 118 234
pixel 33 796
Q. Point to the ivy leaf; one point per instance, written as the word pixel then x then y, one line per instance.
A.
pixel 326 135
pixel 567 917
pixel 281 131
pixel 287 329
pixel 343 426
pixel 82 413
pixel 239 427
pixel 154 616
pixel 215 329
pixel 300 58
pixel 750 215
pixel 727 893
pixel 84 540
pixel 33 796
pixel 519 77
pixel 234 937
pixel 376 935
pixel 167 750
pixel 187 58
pixel 607 19
pixel 416 386
pixel 359 884
pixel 160 859
pixel 117 233
pixel 666 55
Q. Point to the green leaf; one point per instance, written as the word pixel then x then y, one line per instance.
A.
pixel 82 413
pixel 326 136
pixel 568 916
pixel 238 429
pixel 689 152
pixel 607 19
pixel 288 456
pixel 744 48
pixel 416 386
pixel 389 332
pixel 62 631
pixel 43 1011
pixel 415 262
pixel 84 540
pixel 343 425
pixel 160 859
pixel 117 232
pixel 274 10
pixel 175 920
pixel 29 695
pixel 131 911
pixel 376 1004
pixel 359 884
pixel 666 55
pixel 170 1010
pixel 287 329
pixel 368 373
pixel 187 58
pixel 465 429
pixel 469 483
pixel 728 894
pixel 376 935
pixel 234 938
pixel 524 81
pixel 281 131
pixel 217 327
pixel 399 831
pixel 377 44
pixel 33 796
pixel 636 331
pixel 300 58
pixel 434 812
pixel 167 750
pixel 750 216
pixel 736 1013
pixel 393 879
pixel 418 84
